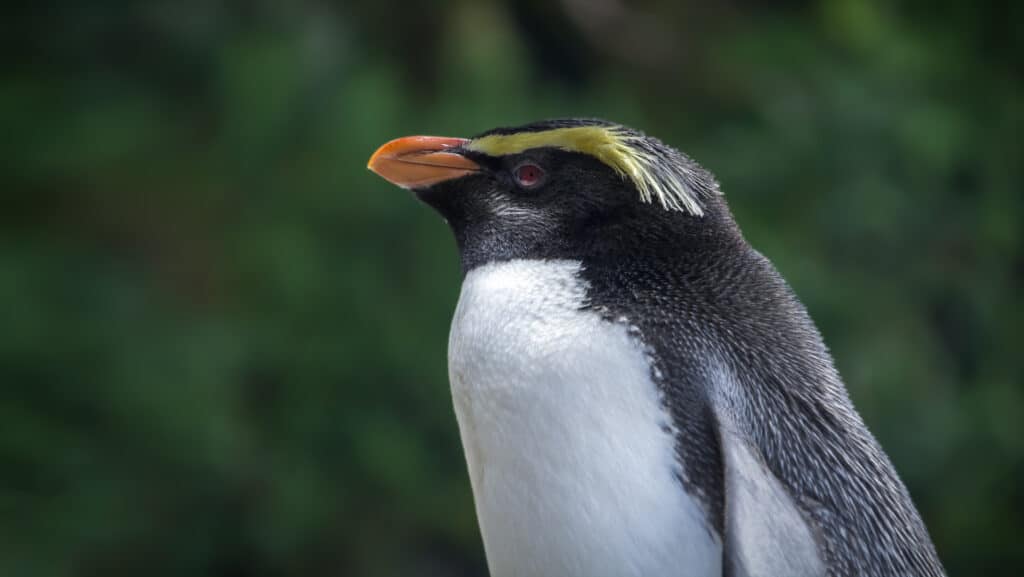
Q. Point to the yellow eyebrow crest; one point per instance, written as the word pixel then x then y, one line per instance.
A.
pixel 615 147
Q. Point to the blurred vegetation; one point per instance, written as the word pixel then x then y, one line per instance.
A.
pixel 223 344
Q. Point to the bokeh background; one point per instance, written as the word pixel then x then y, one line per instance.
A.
pixel 222 340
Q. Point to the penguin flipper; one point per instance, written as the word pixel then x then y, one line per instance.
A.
pixel 765 533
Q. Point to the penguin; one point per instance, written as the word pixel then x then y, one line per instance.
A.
pixel 638 391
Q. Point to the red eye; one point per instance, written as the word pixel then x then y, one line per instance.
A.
pixel 528 175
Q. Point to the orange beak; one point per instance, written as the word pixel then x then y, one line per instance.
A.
pixel 421 161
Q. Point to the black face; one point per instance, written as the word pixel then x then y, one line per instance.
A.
pixel 548 203
pixel 528 205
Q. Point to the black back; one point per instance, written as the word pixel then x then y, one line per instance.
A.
pixel 709 304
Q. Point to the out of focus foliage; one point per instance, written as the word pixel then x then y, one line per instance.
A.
pixel 223 340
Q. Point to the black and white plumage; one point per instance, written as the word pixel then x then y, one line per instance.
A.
pixel 639 392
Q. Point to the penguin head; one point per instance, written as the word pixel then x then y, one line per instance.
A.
pixel 556 189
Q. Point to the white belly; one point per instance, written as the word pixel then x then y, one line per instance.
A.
pixel 572 469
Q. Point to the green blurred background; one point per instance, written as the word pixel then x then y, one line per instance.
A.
pixel 223 340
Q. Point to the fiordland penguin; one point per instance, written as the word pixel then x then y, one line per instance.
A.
pixel 638 391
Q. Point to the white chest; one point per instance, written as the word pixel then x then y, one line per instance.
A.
pixel 573 471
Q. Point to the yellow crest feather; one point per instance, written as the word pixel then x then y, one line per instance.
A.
pixel 611 145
